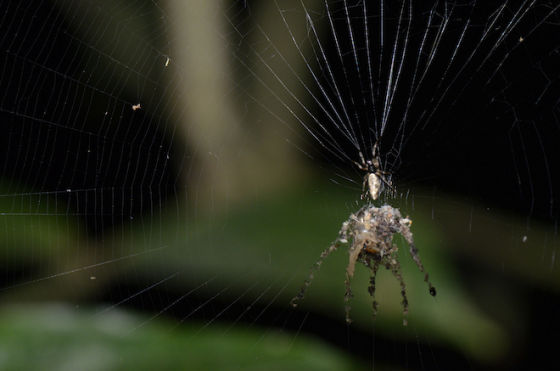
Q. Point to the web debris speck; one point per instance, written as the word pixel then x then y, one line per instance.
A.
pixel 369 234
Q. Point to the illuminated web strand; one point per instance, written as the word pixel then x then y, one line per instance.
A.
pixel 521 12
pixel 386 105
pixel 357 64
pixel 370 73
pixel 401 131
pixel 461 69
pixel 345 132
pixel 345 72
pixel 348 128
pixel 526 35
pixel 404 51
pixel 323 108
pixel 339 153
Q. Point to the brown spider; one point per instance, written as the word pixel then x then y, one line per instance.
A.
pixel 369 234
pixel 375 177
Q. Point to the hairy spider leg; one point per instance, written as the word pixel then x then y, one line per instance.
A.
pixel 365 191
pixel 364 163
pixel 416 258
pixel 347 296
pixel 380 172
pixel 397 272
pixel 386 183
pixel 375 156
pixel 371 289
pixel 355 254
pixel 314 269
pixel 362 166
pixel 342 238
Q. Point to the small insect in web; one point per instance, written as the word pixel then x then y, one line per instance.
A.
pixel 369 235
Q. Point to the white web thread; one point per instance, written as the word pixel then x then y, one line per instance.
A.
pixel 329 139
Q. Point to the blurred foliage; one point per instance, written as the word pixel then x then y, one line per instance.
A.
pixel 266 248
pixel 269 245
pixel 39 226
pixel 59 337
pixel 277 241
pixel 42 245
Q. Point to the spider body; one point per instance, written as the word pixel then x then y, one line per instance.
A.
pixel 369 236
pixel 375 177
pixel 374 185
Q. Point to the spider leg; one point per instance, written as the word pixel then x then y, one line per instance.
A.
pixel 342 238
pixel 360 166
pixel 397 272
pixel 371 289
pixel 381 174
pixel 375 155
pixel 416 258
pixel 353 258
pixel 407 234
pixel 364 187
pixel 347 296
pixel 362 157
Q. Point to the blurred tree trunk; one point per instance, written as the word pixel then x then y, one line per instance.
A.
pixel 238 152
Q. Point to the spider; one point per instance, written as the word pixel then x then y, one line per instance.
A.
pixel 375 177
pixel 369 234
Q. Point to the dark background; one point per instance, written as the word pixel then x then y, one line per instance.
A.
pixel 492 139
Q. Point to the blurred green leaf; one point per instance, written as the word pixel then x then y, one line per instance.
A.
pixel 58 337
pixel 275 242
pixel 37 228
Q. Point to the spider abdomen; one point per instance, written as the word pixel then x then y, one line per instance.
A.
pixel 374 185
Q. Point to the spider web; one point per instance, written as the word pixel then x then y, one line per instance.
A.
pixel 462 98
pixel 187 163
